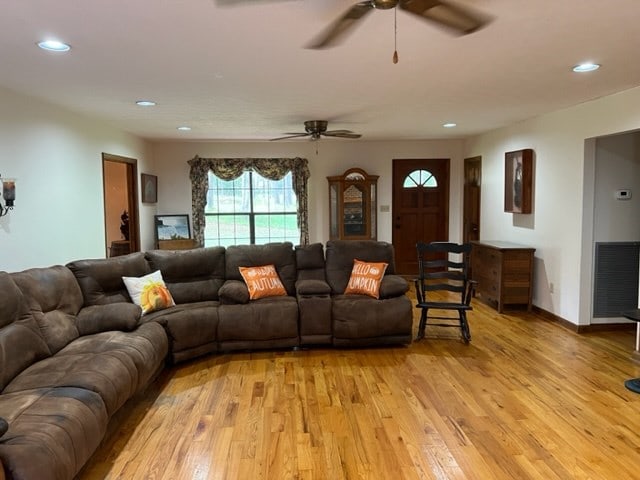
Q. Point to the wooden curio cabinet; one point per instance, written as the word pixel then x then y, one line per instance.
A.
pixel 352 206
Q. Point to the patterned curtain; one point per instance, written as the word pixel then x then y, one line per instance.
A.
pixel 231 168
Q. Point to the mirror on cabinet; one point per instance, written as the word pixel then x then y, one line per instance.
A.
pixel 352 205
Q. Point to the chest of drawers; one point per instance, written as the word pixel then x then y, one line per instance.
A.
pixel 504 272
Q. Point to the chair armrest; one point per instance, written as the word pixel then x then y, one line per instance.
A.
pixel 113 316
pixel 233 292
pixel 393 286
pixel 312 287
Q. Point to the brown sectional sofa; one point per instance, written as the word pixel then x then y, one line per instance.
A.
pixel 74 348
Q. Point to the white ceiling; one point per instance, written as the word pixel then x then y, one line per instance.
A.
pixel 241 73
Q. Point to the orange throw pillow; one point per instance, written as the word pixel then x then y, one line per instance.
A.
pixel 262 282
pixel 365 278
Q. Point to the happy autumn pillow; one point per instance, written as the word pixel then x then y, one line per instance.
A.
pixel 262 282
pixel 365 278
pixel 149 292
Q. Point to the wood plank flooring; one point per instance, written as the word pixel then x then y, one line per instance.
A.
pixel 527 399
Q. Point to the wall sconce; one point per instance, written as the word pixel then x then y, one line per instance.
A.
pixel 9 194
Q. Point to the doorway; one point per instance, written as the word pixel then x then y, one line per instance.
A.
pixel 420 207
pixel 121 224
pixel 471 199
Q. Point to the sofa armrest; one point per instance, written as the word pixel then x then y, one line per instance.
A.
pixel 4 426
pixel 312 287
pixel 114 316
pixel 233 292
pixel 393 286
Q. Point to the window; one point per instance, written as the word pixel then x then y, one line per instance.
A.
pixel 250 210
pixel 420 178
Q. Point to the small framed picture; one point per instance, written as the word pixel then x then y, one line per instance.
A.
pixel 172 227
pixel 518 181
pixel 149 186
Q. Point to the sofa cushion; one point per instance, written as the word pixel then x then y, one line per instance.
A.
pixel 361 320
pixel 149 292
pixel 281 255
pixel 341 254
pixel 262 282
pixel 102 318
pixel 271 318
pixel 101 279
pixel 193 275
pixel 147 347
pixel 112 374
pixel 52 432
pixel 21 342
pixel 191 327
pixel 310 261
pixel 54 299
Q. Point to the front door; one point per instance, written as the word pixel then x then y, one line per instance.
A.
pixel 420 207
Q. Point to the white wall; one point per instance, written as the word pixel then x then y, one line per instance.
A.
pixel 333 158
pixel 617 167
pixel 56 157
pixel 558 224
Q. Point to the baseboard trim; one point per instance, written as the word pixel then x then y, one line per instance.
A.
pixel 594 327
pixel 552 317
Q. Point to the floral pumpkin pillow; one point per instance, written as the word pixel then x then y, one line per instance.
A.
pixel 149 292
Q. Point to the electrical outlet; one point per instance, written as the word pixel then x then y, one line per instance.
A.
pixel 550 287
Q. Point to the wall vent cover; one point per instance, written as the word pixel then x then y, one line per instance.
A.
pixel 616 278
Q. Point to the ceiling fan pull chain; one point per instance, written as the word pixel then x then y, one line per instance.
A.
pixel 395 35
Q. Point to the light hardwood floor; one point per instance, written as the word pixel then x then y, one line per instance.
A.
pixel 527 399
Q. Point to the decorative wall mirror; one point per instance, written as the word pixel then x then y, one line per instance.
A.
pixel 352 206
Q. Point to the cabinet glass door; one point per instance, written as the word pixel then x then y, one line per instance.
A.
pixel 354 211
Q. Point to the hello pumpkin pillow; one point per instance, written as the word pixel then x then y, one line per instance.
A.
pixel 366 278
pixel 262 281
pixel 149 292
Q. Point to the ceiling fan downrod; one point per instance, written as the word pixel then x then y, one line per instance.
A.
pixel 395 35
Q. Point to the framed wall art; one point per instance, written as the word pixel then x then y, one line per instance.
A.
pixel 149 186
pixel 172 227
pixel 518 181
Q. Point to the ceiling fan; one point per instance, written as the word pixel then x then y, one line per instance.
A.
pixel 459 19
pixel 318 128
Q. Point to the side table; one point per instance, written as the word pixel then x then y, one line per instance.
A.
pixel 635 316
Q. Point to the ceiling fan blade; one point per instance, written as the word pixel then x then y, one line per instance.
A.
pixel 332 35
pixel 461 19
pixel 341 134
pixel 291 135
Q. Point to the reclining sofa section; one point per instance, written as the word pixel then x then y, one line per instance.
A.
pixel 74 348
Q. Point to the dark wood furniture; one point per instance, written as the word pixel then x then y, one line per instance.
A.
pixel 179 244
pixel 443 285
pixel 352 206
pixel 120 247
pixel 503 272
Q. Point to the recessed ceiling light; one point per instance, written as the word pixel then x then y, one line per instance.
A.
pixel 449 125
pixel 145 103
pixel 586 67
pixel 184 128
pixel 54 46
